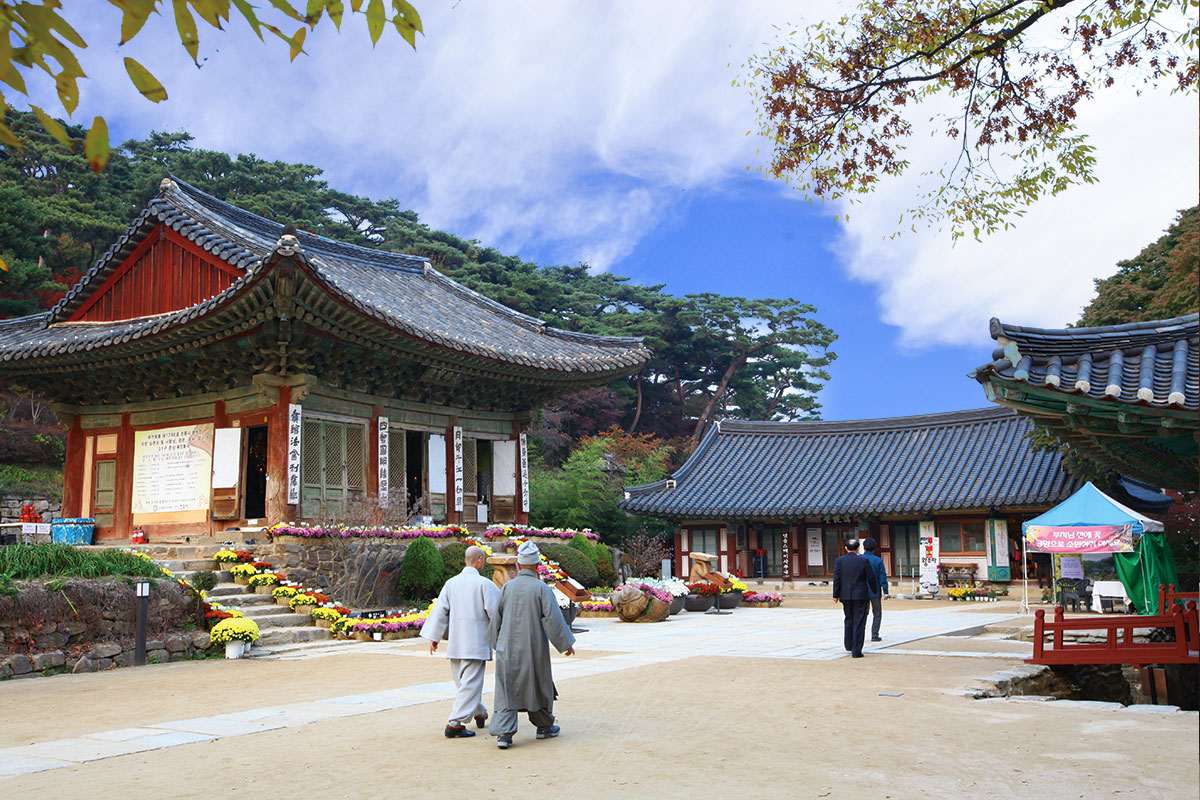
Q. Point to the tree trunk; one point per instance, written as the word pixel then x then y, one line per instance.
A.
pixel 637 415
pixel 737 364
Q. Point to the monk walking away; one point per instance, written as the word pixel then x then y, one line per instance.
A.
pixel 853 585
pixel 527 621
pixel 465 608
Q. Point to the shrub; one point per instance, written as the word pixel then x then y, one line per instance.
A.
pixel 23 442
pixel 574 563
pixel 604 567
pixel 583 545
pixel 204 580
pixel 421 571
pixel 452 560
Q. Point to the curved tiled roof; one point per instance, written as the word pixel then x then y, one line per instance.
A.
pixel 400 291
pixel 1154 363
pixel 899 465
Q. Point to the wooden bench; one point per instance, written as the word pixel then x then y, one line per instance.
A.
pixel 1117 650
pixel 958 572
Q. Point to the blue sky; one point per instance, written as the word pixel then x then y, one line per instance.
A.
pixel 615 134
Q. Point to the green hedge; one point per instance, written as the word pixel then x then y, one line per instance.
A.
pixel 452 562
pixel 573 562
pixel 421 572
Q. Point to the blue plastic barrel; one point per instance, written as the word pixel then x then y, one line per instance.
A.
pixel 72 530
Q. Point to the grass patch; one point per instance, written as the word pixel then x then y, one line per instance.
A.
pixel 31 479
pixel 30 561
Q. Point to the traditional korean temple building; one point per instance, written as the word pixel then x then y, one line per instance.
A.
pixel 1123 397
pixel 791 492
pixel 216 368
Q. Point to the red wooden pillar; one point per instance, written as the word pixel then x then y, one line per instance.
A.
pixel 278 509
pixel 73 488
pixel 123 501
pixel 220 416
pixel 372 445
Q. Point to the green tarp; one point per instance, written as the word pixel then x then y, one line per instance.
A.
pixel 1143 571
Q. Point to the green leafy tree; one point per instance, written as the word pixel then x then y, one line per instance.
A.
pixel 1160 282
pixel 36 37
pixel 838 102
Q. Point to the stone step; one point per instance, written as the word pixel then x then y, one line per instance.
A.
pixel 186 565
pixel 189 576
pixel 227 590
pixel 282 621
pixel 266 611
pixel 272 637
pixel 297 650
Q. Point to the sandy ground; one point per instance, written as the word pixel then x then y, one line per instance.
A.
pixel 703 726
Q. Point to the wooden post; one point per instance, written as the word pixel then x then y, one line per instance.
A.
pixel 376 512
pixel 453 515
pixel 278 509
pixel 123 501
pixel 73 487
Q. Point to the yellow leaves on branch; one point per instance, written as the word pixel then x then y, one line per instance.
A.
pixel 35 36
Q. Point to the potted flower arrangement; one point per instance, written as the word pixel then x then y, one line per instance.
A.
pixel 302 604
pixel 225 558
pixel 761 599
pixel 566 606
pixel 731 595
pixel 264 582
pixel 700 596
pixel 637 601
pixel 242 573
pixel 236 633
pixel 324 617
pixel 596 608
pixel 283 595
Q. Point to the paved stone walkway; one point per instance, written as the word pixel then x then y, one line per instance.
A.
pixel 753 633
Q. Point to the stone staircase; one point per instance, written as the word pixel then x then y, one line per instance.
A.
pixel 281 630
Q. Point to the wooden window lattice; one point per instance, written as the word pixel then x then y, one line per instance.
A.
pixel 470 475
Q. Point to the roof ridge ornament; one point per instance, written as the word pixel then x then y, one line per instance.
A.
pixel 167 184
pixel 289 241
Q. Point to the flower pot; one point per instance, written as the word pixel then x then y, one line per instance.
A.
pixel 323 623
pixel 657 611
pixel 697 602
pixel 303 610
pixel 570 613
pixel 677 604
pixel 361 636
pixel 285 602
pixel 241 580
pixel 263 589
pixel 234 649
pixel 729 600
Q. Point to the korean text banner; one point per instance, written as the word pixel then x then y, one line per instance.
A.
pixel 1080 539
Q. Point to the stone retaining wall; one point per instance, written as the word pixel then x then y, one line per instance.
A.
pixel 10 507
pixel 348 569
pixel 48 626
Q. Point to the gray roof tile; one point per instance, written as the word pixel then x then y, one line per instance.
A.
pixel 899 465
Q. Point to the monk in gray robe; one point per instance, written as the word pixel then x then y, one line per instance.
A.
pixel 526 622
pixel 465 607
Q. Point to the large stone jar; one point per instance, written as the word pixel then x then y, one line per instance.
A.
pixel 677 604
pixel 729 599
pixel 697 602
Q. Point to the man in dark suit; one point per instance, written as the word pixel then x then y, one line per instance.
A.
pixel 853 584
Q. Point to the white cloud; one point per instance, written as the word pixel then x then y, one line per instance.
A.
pixel 573 126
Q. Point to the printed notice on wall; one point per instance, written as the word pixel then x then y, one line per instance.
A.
pixel 172 469
pixel 382 429
pixel 458 469
pixel 293 460
pixel 816 549
pixel 929 554
pixel 524 476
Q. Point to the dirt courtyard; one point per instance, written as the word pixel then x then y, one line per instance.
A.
pixel 704 725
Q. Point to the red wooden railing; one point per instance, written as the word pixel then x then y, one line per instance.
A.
pixel 1118 650
pixel 1167 597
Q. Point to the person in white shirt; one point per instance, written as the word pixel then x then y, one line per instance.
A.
pixel 465 608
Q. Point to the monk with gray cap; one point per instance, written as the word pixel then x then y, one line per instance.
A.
pixel 526 622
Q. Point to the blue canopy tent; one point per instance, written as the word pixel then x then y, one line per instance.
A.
pixel 1090 521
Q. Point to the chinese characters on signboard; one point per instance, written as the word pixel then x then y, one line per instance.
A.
pixel 930 558
pixel 458 469
pixel 172 469
pixel 384 478
pixel 293 457
pixel 524 476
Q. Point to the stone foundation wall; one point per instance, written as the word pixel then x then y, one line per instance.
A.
pixel 10 507
pixel 48 626
pixel 358 572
